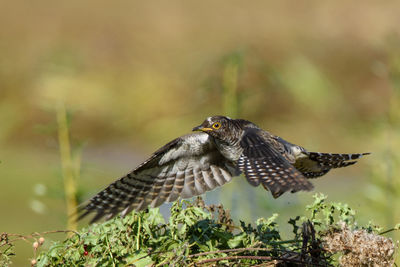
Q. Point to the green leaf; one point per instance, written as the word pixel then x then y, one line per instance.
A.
pixel 139 260
pixel 237 240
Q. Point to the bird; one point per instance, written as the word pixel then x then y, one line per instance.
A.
pixel 215 152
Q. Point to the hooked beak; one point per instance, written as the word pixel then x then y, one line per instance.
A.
pixel 201 128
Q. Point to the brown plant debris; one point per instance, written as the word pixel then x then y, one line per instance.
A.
pixel 360 248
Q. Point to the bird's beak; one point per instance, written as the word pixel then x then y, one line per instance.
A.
pixel 201 128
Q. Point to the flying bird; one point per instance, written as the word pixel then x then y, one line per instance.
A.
pixel 218 150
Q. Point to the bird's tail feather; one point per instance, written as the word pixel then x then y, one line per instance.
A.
pixel 335 160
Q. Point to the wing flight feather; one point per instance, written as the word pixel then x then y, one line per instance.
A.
pixel 262 163
pixel 187 166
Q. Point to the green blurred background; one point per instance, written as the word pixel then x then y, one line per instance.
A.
pixel 134 75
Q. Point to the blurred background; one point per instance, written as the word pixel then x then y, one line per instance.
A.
pixel 90 89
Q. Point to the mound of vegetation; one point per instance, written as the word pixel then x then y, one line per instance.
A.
pixel 201 235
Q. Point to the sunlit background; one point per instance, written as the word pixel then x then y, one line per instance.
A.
pixel 131 76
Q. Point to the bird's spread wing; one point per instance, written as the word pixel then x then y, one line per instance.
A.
pixel 315 164
pixel 187 166
pixel 262 163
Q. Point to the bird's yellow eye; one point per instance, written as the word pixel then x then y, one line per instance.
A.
pixel 216 125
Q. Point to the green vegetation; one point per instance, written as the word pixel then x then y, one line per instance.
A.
pixel 198 234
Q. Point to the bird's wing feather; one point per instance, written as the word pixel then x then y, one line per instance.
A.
pixel 262 163
pixel 187 166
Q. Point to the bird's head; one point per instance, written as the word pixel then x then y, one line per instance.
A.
pixel 216 126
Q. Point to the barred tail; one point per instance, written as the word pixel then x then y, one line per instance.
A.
pixel 335 160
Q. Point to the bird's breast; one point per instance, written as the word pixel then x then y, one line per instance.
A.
pixel 229 151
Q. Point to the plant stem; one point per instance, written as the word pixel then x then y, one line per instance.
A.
pixel 229 83
pixel 67 165
pixel 138 234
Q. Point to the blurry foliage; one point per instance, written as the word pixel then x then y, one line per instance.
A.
pixel 230 77
pixel 309 87
pixel 383 193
